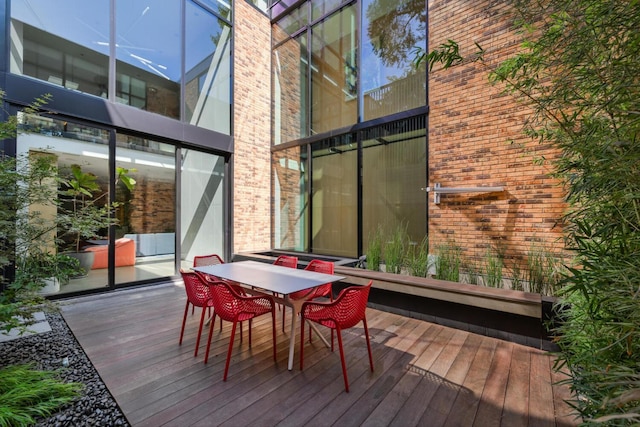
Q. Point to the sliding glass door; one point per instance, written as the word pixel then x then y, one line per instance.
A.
pixel 145 181
pixel 144 225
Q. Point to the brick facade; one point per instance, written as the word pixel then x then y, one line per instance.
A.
pixel 475 139
pixel 251 132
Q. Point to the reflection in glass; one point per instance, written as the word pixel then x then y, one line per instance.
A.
pixel 88 148
pixel 393 173
pixel 290 93
pixel 208 70
pixel 333 71
pixel 390 82
pixel 148 55
pixel 146 194
pixel 291 213
pixel 202 197
pixel 334 197
pixel 65 42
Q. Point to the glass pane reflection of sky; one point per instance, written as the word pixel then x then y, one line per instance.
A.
pixel 148 30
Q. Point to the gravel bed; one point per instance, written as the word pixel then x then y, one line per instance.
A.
pixel 58 349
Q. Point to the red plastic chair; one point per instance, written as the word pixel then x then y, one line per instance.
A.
pixel 319 266
pixel 201 261
pixel 234 307
pixel 348 309
pixel 198 295
pixel 285 261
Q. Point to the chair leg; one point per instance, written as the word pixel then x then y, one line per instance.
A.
pixel 344 366
pixel 366 335
pixel 184 321
pixel 250 323
pixel 226 366
pixel 204 311
pixel 206 356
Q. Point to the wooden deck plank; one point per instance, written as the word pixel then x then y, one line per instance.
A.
pixel 468 400
pixel 407 381
pixel 442 402
pixel 425 374
pixel 489 411
pixel 517 396
pixel 416 404
pixel 540 391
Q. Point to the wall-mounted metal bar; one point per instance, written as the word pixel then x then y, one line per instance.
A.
pixel 437 190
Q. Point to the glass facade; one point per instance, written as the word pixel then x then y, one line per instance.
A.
pixel 394 171
pixel 143 181
pixel 290 188
pixel 388 78
pixel 334 196
pixel 334 44
pixel 208 70
pixel 72 43
pixel 340 65
pixel 65 43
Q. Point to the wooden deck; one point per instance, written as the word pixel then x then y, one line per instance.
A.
pixel 425 374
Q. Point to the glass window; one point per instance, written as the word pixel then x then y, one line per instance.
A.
pixel 64 42
pixel 148 53
pixel 393 172
pixel 207 70
pixel 390 82
pixel 202 205
pixel 334 197
pixel 221 7
pixel 80 153
pixel 146 194
pixel 333 72
pixel 290 90
pixel 291 214
pixel 262 5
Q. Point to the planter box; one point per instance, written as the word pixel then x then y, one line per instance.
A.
pixel 501 313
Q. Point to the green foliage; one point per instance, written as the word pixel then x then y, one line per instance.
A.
pixel 473 274
pixel 374 250
pixel 543 271
pixel 578 71
pixel 493 266
pixel 394 249
pixel 417 259
pixel 27 393
pixel 28 188
pixel 85 216
pixel 517 281
pixel 448 261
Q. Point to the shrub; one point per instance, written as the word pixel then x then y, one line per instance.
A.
pixel 27 393
pixel 417 259
pixel 374 250
pixel 394 249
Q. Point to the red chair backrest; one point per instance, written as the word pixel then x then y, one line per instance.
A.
pixel 320 266
pixel 226 302
pixel 350 305
pixel 287 261
pixel 202 260
pixel 198 292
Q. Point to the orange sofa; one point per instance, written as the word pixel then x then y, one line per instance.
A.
pixel 125 254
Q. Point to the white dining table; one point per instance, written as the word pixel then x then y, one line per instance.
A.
pixel 276 279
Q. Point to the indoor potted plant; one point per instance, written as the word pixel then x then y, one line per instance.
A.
pixel 82 214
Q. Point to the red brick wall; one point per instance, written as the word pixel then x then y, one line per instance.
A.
pixel 152 206
pixel 251 133
pixel 475 139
